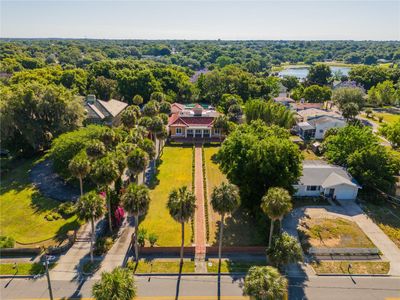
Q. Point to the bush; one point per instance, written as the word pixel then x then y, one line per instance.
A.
pixel 153 239
pixel 380 119
pixel 6 242
pixel 142 234
pixel 52 216
pixel 67 209
pixel 103 245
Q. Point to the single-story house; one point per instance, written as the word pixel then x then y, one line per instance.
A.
pixel 192 121
pixel 317 127
pixel 103 112
pixel 313 113
pixel 321 178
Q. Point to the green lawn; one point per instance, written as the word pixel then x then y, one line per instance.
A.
pixel 23 209
pixel 174 171
pixel 240 224
pixel 23 269
pixel 357 267
pixel 333 233
pixel 232 266
pixel 387 217
pixel 157 266
pixel 387 118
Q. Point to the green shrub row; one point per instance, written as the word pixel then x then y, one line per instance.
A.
pixel 6 242
pixel 205 194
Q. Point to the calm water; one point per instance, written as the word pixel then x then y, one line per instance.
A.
pixel 302 73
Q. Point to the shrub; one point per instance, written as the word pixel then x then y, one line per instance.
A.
pixel 6 242
pixel 67 209
pixel 380 119
pixel 52 216
pixel 142 234
pixel 103 245
pixel 153 239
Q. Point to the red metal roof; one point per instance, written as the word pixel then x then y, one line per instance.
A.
pixel 176 120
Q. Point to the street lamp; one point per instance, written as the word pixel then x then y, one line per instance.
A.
pixel 46 264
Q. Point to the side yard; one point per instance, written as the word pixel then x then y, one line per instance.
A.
pixel 240 224
pixel 26 215
pixel 174 170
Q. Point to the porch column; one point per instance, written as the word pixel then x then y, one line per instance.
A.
pixel 185 132
pixel 202 133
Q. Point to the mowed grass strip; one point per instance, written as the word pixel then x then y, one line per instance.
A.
pixel 157 266
pixel 334 233
pixel 23 209
pixel 174 171
pixel 232 266
pixel 240 228
pixel 357 267
pixel 23 269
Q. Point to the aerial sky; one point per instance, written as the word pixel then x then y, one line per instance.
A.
pixel 228 20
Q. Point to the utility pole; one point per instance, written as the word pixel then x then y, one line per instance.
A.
pixel 46 263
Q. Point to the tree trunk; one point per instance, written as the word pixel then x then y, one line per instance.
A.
pixel 109 208
pixel 280 225
pixel 220 237
pixel 92 240
pixel 136 237
pixel 183 241
pixel 81 184
pixel 159 148
pixel 271 231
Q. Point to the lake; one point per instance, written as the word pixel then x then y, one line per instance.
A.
pixel 302 72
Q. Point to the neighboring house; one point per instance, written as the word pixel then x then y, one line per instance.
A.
pixel 103 112
pixel 192 121
pixel 302 106
pixel 321 178
pixel 317 127
pixel 313 113
pixel 286 101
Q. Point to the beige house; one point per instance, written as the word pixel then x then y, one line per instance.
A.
pixel 103 112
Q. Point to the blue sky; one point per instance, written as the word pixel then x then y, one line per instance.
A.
pixel 359 20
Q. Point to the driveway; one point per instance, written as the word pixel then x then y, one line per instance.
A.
pixel 351 211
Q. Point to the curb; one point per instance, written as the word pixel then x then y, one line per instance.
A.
pixel 353 275
pixel 21 276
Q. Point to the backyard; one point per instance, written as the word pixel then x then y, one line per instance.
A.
pixel 24 210
pixel 237 226
pixel 174 170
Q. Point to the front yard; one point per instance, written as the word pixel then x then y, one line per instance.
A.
pixel 175 170
pixel 332 233
pixel 357 267
pixel 232 266
pixel 240 224
pixel 24 210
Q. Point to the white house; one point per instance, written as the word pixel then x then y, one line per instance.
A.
pixel 321 178
pixel 317 127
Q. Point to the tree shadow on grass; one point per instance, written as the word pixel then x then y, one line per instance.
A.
pixel 242 229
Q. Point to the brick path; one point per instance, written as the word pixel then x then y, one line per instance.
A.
pixel 200 228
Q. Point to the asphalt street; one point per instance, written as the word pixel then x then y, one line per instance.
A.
pixel 208 287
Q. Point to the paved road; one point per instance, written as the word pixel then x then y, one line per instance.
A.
pixel 206 287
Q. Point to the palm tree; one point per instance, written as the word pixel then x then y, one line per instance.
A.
pixel 79 166
pixel 136 201
pixel 90 207
pixel 156 125
pixel 284 250
pixel 161 136
pixel 181 205
pixel 95 149
pixel 105 172
pixel 137 162
pixel 129 116
pixel 276 204
pixel 224 200
pixel 265 283
pixel 118 284
pixel 222 123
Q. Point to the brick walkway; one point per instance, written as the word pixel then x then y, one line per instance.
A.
pixel 200 228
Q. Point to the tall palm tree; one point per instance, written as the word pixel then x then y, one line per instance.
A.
pixel 284 250
pixel 265 283
pixel 79 166
pixel 181 205
pixel 90 207
pixel 130 116
pixel 105 172
pixel 224 200
pixel 136 201
pixel 156 125
pixel 137 162
pixel 276 204
pixel 161 136
pixel 119 284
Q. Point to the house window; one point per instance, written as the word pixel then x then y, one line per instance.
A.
pixel 178 131
pixel 313 188
pixel 216 130
pixel 198 131
pixel 321 130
